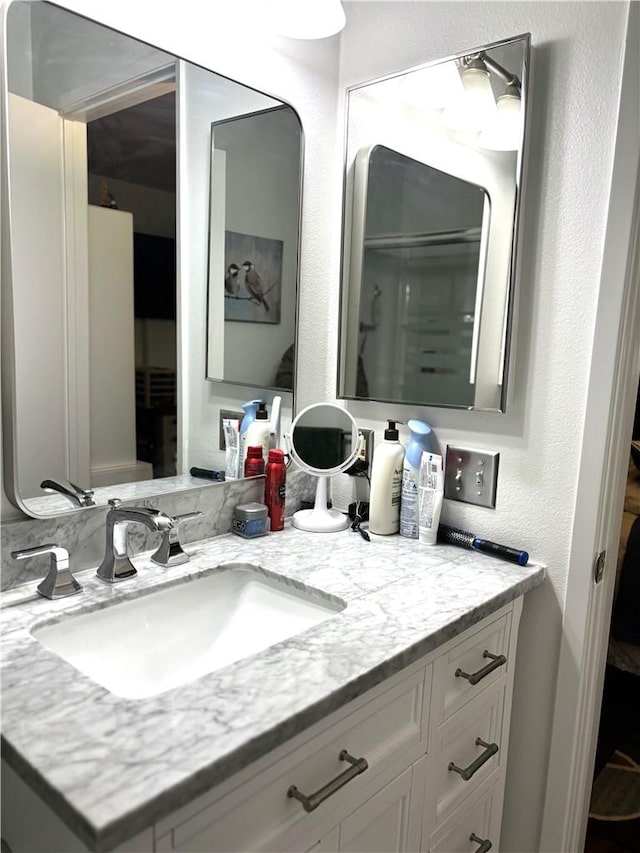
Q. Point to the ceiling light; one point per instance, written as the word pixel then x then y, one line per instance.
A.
pixel 305 19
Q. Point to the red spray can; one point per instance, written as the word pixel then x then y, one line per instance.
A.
pixel 254 463
pixel 275 488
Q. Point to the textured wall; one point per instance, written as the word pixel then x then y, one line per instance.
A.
pixel 576 82
pixel 577 56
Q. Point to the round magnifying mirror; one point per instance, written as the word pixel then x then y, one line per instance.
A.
pixel 324 440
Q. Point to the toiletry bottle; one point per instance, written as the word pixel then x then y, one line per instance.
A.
pixel 258 432
pixel 254 463
pixel 386 483
pixel 421 438
pixel 275 488
pixel 431 497
pixel 250 408
pixel 231 429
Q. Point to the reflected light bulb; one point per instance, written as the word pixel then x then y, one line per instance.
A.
pixel 505 131
pixel 305 19
pixel 476 107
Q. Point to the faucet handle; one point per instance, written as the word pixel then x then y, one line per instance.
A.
pixel 59 581
pixel 170 552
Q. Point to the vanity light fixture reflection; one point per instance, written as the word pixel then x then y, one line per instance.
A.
pixel 475 107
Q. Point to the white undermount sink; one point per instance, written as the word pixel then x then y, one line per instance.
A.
pixel 144 646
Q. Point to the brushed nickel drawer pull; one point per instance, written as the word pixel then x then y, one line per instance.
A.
pixel 490 749
pixel 475 677
pixel 485 844
pixel 311 802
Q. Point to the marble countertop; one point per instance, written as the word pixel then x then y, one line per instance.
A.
pixel 109 767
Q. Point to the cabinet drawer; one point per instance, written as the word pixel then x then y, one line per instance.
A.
pixel 475 824
pixel 257 815
pixel 470 741
pixel 483 658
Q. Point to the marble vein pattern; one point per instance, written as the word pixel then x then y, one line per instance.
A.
pixel 82 531
pixel 110 767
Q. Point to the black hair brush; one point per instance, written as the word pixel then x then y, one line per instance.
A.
pixel 464 539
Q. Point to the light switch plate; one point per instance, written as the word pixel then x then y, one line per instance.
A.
pixel 471 476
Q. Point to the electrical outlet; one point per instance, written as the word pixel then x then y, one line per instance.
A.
pixel 366 451
pixel 226 414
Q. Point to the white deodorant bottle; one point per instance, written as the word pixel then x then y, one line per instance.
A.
pixel 386 483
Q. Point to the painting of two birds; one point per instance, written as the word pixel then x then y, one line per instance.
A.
pixel 253 278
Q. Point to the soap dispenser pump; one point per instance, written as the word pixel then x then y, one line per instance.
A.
pixel 386 483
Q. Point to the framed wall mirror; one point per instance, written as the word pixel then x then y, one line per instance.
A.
pixel 107 143
pixel 433 178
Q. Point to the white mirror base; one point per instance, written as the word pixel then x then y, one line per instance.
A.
pixel 320 519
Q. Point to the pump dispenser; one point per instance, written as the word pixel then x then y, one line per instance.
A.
pixel 386 483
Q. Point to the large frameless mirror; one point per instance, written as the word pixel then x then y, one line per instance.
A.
pixel 103 240
pixel 434 161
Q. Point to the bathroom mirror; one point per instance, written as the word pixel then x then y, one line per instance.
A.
pixel 324 440
pixel 256 171
pixel 100 241
pixel 433 179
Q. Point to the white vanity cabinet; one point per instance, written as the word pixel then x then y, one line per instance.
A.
pixel 435 743
pixel 434 738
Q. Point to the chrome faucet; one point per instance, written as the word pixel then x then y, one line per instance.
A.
pixel 59 581
pixel 76 494
pixel 116 565
pixel 170 552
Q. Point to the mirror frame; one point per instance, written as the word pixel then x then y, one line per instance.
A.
pixel 348 193
pixel 9 426
pixel 346 462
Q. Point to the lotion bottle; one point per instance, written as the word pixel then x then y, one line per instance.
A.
pixel 386 484
pixel 421 439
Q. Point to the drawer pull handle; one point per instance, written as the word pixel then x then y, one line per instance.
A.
pixel 490 749
pixel 311 802
pixel 475 677
pixel 485 844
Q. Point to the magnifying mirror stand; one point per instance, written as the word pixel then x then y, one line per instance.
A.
pixel 320 519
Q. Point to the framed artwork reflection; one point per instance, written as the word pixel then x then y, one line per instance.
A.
pixel 253 278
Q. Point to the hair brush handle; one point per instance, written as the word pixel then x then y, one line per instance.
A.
pixel 513 555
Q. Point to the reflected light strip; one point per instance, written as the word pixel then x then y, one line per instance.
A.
pixel 482 274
